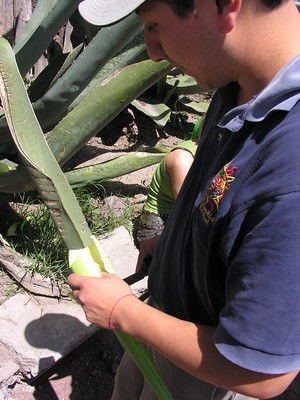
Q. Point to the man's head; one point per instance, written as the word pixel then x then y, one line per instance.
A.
pixel 106 12
pixel 214 41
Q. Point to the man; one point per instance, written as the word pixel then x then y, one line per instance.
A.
pixel 224 281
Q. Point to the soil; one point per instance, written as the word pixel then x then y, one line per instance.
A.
pixel 88 372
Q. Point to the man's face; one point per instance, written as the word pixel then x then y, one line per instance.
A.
pixel 192 44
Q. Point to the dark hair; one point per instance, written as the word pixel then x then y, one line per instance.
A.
pixel 181 7
pixel 273 3
pixel 184 7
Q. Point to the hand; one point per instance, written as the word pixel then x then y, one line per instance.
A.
pixel 147 250
pixel 98 296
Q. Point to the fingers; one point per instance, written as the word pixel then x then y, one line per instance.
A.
pixel 140 263
pixel 98 296
pixel 75 280
pixel 81 284
pixel 147 250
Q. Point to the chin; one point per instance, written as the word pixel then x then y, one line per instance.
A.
pixel 205 85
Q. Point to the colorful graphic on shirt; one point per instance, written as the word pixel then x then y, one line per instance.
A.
pixel 215 192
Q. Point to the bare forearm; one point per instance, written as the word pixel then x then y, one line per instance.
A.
pixel 187 345
pixel 191 347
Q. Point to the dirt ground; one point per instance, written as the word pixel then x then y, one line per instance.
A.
pixel 88 372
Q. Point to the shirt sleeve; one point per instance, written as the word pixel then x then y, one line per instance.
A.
pixel 259 326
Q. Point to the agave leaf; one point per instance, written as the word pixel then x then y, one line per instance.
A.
pixel 103 104
pixel 51 73
pixel 156 110
pixel 58 196
pixel 132 53
pixel 48 17
pixel 189 105
pixel 183 85
pixel 15 178
pixel 54 104
pixel 71 57
pixel 92 261
pixel 141 356
pixel 105 44
pixel 40 85
pixel 100 50
pixel 36 155
pixel 111 169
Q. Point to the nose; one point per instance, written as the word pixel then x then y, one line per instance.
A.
pixel 154 48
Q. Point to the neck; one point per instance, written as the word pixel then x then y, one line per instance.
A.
pixel 277 42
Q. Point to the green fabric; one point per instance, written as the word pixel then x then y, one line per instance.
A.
pixel 160 197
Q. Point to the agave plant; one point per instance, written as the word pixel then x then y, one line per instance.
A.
pixel 85 254
pixel 92 83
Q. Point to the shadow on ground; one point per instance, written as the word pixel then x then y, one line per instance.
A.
pixel 85 374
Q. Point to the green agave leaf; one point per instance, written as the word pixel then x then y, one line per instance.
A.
pixel 42 9
pixel 184 84
pixel 42 82
pixel 17 179
pixel 92 261
pixel 133 53
pixel 141 356
pixel 189 105
pixel 103 104
pixel 54 104
pixel 111 169
pixel 51 73
pixel 48 17
pixel 36 155
pixel 157 111
pixel 71 57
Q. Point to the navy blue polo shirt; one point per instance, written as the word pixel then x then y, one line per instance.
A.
pixel 229 256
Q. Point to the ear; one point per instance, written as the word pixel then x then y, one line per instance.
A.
pixel 228 11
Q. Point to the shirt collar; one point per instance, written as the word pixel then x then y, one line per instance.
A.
pixel 282 93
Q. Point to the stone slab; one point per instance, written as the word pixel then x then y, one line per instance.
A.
pixel 122 254
pixel 36 332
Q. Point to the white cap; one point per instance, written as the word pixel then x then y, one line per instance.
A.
pixel 105 12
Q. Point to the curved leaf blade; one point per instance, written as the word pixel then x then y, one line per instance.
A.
pixel 37 156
